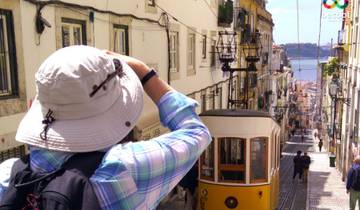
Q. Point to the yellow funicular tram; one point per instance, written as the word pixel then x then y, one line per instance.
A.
pixel 240 168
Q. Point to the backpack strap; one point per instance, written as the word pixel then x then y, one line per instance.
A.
pixel 86 163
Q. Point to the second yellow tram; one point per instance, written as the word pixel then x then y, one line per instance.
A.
pixel 240 168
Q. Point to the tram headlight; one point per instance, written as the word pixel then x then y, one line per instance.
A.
pixel 231 202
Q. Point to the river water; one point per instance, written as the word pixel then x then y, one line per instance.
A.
pixel 307 69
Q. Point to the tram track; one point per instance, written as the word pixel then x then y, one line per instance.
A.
pixel 289 198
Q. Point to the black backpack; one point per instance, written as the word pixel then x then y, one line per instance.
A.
pixel 67 188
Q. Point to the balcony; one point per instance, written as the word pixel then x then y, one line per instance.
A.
pixel 225 15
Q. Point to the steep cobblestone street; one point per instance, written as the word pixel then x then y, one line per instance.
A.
pixel 324 190
pixel 293 193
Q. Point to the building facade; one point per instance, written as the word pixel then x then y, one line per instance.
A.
pixel 161 33
pixel 254 25
pixel 349 58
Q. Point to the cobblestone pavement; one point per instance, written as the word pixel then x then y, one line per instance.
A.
pixel 326 189
pixel 292 194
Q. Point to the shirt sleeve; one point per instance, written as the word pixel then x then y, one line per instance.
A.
pixel 144 172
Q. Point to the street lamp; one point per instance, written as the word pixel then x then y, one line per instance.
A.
pixel 227 49
pixel 333 91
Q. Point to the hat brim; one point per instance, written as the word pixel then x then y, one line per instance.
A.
pixel 88 134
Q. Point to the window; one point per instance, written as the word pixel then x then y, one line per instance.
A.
pixel 207 163
pixel 213 53
pixel 258 159
pixel 151 3
pixel 73 32
pixel 121 39
pixel 174 51
pixel 191 51
pixel 8 68
pixel 203 51
pixel 232 159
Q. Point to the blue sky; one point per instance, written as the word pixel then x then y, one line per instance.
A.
pixel 284 17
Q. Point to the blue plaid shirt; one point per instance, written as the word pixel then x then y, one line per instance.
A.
pixel 137 175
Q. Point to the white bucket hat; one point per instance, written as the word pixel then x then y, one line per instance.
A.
pixel 86 100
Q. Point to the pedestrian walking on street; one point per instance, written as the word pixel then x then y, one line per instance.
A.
pixel 320 144
pixel 306 164
pixel 88 100
pixel 353 183
pixel 302 137
pixel 298 165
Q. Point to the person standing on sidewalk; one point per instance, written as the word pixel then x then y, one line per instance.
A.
pixel 298 165
pixel 306 164
pixel 353 183
pixel 320 144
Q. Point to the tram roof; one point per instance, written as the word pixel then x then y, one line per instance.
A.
pixel 235 113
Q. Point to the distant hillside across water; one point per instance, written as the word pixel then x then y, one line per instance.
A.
pixel 307 50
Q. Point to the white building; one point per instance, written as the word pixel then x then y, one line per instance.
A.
pixel 161 33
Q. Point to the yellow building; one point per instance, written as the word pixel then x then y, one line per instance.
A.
pixel 254 24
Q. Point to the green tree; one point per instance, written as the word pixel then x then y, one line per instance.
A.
pixel 331 68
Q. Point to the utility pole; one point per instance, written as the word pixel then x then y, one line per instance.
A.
pixel 331 47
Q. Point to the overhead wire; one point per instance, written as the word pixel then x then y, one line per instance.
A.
pixel 209 6
pixel 319 86
pixel 42 4
pixel 298 33
pixel 182 23
pixel 140 28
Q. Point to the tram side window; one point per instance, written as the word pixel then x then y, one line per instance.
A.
pixel 207 163
pixel 258 161
pixel 232 160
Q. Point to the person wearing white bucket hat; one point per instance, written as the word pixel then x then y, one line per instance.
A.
pixel 87 101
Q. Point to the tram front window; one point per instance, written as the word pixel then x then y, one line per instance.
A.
pixel 258 162
pixel 232 160
pixel 207 163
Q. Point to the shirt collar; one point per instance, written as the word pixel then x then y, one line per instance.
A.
pixel 43 160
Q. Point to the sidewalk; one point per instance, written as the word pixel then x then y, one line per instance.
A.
pixel 326 191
